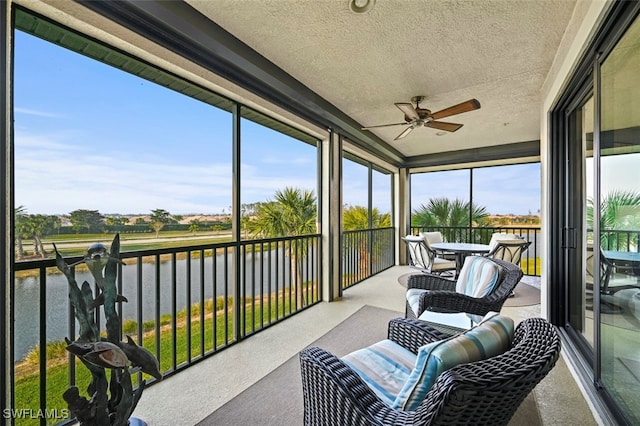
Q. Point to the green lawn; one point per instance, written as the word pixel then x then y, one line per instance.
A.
pixel 27 384
pixel 131 242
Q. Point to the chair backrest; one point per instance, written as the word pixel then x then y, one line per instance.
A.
pixel 420 255
pixel 489 392
pixel 510 276
pixel 497 236
pixel 432 237
pixel 478 277
pixel 509 250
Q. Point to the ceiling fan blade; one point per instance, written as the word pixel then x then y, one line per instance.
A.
pixel 467 106
pixel 441 125
pixel 384 125
pixel 405 132
pixel 408 110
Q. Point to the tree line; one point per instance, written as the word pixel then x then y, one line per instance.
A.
pixel 292 211
pixel 35 227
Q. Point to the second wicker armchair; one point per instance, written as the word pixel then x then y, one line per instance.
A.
pixel 431 293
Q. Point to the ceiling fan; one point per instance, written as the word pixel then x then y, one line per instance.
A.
pixel 421 117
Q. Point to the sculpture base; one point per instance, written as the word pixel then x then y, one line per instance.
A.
pixel 134 421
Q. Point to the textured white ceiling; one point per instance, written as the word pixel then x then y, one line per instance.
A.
pixel 497 51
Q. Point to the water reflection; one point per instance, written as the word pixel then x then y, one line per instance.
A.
pixel 271 271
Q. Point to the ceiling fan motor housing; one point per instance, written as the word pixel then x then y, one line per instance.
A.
pixel 423 113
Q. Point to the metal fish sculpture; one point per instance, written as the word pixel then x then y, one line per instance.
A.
pixel 81 408
pixel 100 300
pixel 141 357
pixel 96 258
pixel 80 299
pixel 101 354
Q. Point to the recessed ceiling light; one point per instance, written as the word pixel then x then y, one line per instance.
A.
pixel 441 133
pixel 361 6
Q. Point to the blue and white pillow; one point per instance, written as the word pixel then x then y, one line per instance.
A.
pixel 490 338
pixel 478 277
pixel 384 367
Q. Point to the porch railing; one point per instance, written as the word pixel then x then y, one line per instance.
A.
pixel 531 263
pixel 366 252
pixel 618 240
pixel 184 304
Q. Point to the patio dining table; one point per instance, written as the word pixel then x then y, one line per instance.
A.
pixel 625 260
pixel 461 250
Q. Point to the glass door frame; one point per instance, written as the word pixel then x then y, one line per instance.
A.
pixel 575 229
pixel 562 234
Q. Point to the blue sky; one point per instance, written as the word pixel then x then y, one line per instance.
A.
pixel 89 136
pixel 138 147
pixel 513 189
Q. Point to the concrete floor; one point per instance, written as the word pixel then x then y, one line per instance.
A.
pixel 191 395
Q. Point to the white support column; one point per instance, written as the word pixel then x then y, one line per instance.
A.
pixel 403 212
pixel 331 217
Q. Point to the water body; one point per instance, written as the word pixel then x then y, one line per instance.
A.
pixel 268 265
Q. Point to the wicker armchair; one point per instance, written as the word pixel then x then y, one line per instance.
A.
pixel 480 393
pixel 442 295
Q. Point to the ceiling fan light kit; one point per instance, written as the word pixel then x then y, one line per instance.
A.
pixel 422 117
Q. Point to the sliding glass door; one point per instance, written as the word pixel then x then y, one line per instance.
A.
pixel 579 244
pixel 619 196
pixel 600 216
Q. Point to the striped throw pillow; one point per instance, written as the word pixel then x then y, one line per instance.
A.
pixel 490 338
pixel 383 366
pixel 478 277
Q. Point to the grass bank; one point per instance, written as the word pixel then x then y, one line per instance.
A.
pixel 218 330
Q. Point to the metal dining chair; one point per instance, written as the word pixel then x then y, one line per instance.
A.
pixel 424 258
pixel 509 250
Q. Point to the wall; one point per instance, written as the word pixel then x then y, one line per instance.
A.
pixel 588 15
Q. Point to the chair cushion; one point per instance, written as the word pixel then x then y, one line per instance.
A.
pixel 418 253
pixel 498 236
pixel 432 237
pixel 458 320
pixel 384 367
pixel 461 320
pixel 413 298
pixel 490 338
pixel 440 264
pixel 478 276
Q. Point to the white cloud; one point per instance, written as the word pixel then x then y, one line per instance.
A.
pixel 283 159
pixel 52 177
pixel 37 113
pixel 55 177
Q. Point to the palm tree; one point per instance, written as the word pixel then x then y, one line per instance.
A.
pixel 39 225
pixel 20 213
pixel 448 213
pixel 194 226
pixel 357 218
pixel 619 211
pixel 33 226
pixel 292 212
